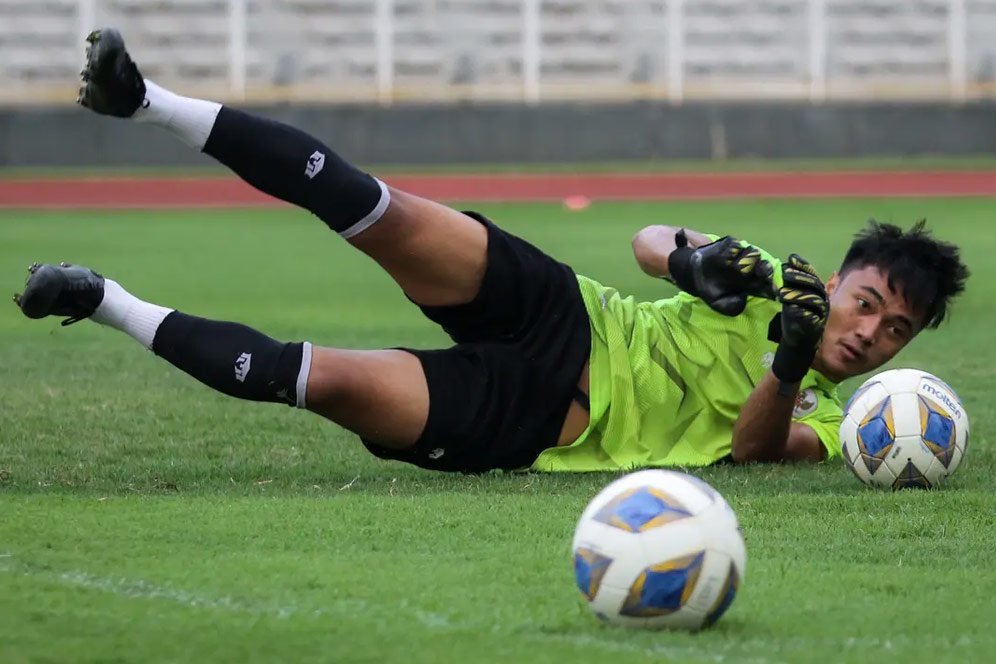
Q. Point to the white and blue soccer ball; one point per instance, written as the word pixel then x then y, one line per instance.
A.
pixel 904 428
pixel 658 548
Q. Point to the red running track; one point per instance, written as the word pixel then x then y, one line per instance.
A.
pixel 124 193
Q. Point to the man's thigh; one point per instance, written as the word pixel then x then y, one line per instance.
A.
pixel 436 254
pixel 525 297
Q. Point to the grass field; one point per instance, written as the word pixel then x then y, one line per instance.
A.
pixel 145 518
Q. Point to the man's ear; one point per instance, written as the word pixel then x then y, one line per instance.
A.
pixel 832 283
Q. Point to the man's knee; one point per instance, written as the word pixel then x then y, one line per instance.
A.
pixel 381 395
pixel 437 255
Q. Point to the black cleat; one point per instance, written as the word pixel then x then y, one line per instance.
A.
pixel 112 84
pixel 61 290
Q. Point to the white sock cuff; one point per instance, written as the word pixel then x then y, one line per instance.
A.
pixel 374 216
pixel 123 311
pixel 189 119
pixel 143 322
pixel 302 376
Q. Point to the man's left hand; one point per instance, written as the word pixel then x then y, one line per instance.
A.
pixel 723 273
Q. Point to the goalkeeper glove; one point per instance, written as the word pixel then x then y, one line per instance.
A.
pixel 804 315
pixel 723 273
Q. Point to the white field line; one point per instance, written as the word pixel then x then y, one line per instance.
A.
pixel 434 621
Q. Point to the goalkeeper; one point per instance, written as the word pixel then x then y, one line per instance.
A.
pixel 550 370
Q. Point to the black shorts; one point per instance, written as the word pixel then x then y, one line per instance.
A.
pixel 499 397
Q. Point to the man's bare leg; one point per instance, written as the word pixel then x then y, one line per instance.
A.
pixel 436 254
pixel 381 394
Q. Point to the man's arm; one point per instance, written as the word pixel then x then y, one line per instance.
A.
pixel 764 432
pixel 653 245
pixel 723 273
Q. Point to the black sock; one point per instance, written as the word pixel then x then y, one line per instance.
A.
pixel 235 359
pixel 295 167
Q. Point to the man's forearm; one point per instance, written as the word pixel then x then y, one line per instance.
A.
pixel 653 245
pixel 761 431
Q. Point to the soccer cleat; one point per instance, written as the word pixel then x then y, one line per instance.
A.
pixel 112 84
pixel 61 290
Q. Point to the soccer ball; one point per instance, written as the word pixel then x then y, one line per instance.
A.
pixel 657 548
pixel 904 428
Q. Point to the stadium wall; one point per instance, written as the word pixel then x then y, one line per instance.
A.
pixel 553 132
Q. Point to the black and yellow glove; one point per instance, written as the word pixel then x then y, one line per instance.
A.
pixel 723 273
pixel 804 315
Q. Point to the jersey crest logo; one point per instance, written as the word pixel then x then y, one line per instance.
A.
pixel 805 403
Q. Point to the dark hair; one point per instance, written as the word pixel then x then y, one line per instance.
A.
pixel 928 272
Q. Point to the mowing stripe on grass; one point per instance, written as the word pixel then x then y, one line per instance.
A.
pixel 144 590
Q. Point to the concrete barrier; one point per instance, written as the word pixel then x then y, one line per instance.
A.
pixel 497 133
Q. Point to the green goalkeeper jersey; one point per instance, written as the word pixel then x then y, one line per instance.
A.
pixel 667 380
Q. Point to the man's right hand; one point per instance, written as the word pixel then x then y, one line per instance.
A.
pixel 805 309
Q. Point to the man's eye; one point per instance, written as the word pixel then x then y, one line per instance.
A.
pixel 863 303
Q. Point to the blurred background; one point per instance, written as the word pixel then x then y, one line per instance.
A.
pixel 440 81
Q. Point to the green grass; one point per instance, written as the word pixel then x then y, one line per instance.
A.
pixel 145 518
pixel 745 165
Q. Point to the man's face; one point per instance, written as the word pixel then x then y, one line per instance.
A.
pixel 868 324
